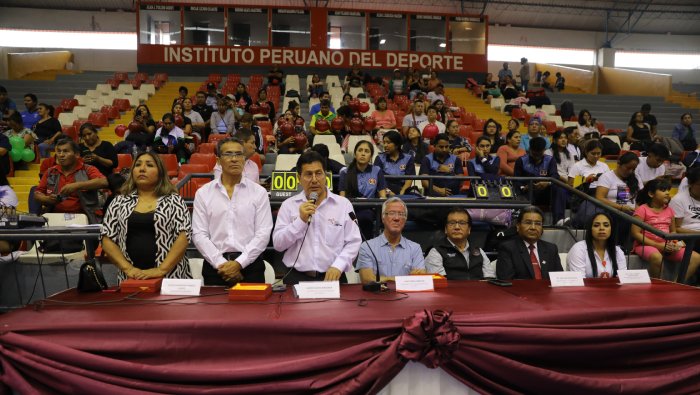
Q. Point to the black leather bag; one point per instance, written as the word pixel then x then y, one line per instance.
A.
pixel 91 278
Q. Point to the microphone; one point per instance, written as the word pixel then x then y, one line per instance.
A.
pixel 313 197
pixel 374 286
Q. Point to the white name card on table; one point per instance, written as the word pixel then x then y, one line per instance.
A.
pixel 566 279
pixel 639 276
pixel 414 283
pixel 184 287
pixel 317 290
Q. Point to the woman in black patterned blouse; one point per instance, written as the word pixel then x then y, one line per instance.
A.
pixel 158 223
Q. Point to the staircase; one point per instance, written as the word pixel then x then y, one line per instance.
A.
pixel 464 98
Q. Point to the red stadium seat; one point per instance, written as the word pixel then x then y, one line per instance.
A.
pixel 601 127
pixel 215 137
pixel 518 113
pixel 465 130
pixel 162 77
pixel 69 104
pixel 57 111
pixel 207 148
pixel 190 168
pixel 77 124
pixel 111 111
pixel 121 76
pixel 70 131
pixel 256 158
pixel 199 158
pixel 98 119
pixel 122 104
pixel 478 124
pixel 124 161
pixel 136 84
pixel 551 126
pixel 171 165
pixel 143 77
pixel 190 188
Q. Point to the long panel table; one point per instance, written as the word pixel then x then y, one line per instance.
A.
pixel 529 338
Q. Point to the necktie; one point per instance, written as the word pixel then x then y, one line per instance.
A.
pixel 535 263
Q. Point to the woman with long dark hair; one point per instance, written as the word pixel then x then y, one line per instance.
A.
pixel 414 145
pixel 639 133
pixel 492 131
pixel 600 247
pixel 8 203
pixel 394 162
pixel 561 154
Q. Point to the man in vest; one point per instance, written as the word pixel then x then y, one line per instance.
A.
pixel 453 257
pixel 60 186
pixel 537 164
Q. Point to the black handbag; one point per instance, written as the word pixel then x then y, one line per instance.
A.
pixel 90 278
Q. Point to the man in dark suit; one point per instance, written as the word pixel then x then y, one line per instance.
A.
pixel 526 256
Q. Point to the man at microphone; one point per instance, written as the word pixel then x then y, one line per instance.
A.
pixel 313 228
pixel 392 253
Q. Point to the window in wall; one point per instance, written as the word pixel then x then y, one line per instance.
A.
pixel 247 27
pixel 428 33
pixel 513 53
pixel 387 32
pixel 204 25
pixel 350 26
pixel 648 60
pixel 291 28
pixel 18 38
pixel 159 24
pixel 467 35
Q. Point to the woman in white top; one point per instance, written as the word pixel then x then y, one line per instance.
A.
pixel 590 168
pixel 618 189
pixel 8 202
pixel 561 154
pixel 599 247
pixel 587 125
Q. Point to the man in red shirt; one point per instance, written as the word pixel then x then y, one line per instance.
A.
pixel 60 184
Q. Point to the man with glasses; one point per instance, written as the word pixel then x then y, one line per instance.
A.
pixel 395 255
pixel 314 228
pixel 231 221
pixel 453 257
pixel 527 257
pixel 250 168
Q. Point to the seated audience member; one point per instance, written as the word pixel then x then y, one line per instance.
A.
pixel 203 109
pixel 181 120
pixel 182 94
pixel 354 78
pixel 395 163
pixel 649 119
pixel 587 128
pixel 458 144
pixel 96 152
pixel 319 248
pixel 492 131
pixel 170 139
pixel 560 82
pixel 419 86
pixel 8 203
pixel 654 210
pixel 513 125
pixel 533 131
pixel 438 93
pixel 142 115
pixel 5 149
pixel 213 96
pixel 509 153
pixel 395 254
pixel 17 129
pixel 241 100
pixel 639 134
pixel 316 88
pixel 262 101
pixel 544 81
pixel 561 155
pixel 286 144
pixel 397 84
pixel 385 118
pixel 452 256
pixel 324 113
pixel 443 113
pixel 503 73
pixel 537 164
pixel 31 115
pixel 141 132
pixel 276 77
pixel 526 256
pixel 316 108
pixel 686 205
pixel 590 168
pixel 432 120
pixel 652 166
pixel 147 228
pixel 441 163
pixel 47 130
pixel 248 122
pixel 415 118
pixel 483 164
pixel 573 147
pixel 599 247
pixel 196 118
pixel 434 81
pixel 7 106
pixel 685 132
pixel 490 89
pixel 414 145
pixel 231 221
pixel 509 90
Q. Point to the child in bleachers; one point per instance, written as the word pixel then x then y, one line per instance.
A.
pixel 414 145
pixel 458 144
pixel 561 155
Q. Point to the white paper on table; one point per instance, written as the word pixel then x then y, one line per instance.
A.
pixel 414 283
pixel 566 279
pixel 317 290
pixel 639 276
pixel 184 287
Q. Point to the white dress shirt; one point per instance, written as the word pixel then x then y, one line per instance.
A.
pixel 578 261
pixel 250 171
pixel 240 224
pixel 333 239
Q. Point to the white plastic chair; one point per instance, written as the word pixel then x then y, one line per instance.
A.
pixel 333 80
pixel 81 112
pixel 286 162
pixel 353 277
pixel 67 118
pixel 564 264
pixel 269 273
pixel 550 109
pixel 354 139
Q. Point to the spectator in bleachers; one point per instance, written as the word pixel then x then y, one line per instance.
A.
pixel 438 93
pixel 184 122
pixel 59 188
pixel 96 152
pixel 509 153
pixel 276 77
pixel 572 136
pixel 639 134
pixel 685 132
pixel 316 87
pixel 414 145
pixel 492 131
pixel 325 114
pixel 212 96
pixel 385 118
pixel 390 252
pixel 414 118
pixel 170 139
pixel 509 90
pixel 354 78
pixel 18 129
pixel 222 121
pixel 420 86
pixel 560 82
pixel 599 247
pixel 434 81
pixel 503 73
pixel 140 134
pixel 453 257
pixel 458 144
pixel 431 113
pixel 618 189
pixel 47 130
pixel 393 162
pixel 590 167
pixel 31 115
pixel 397 84
pixel 654 210
pixel 361 179
pixel 182 94
pixel 346 100
pixel 196 118
pixel 317 107
pixel 7 106
pixel 544 81
pixel 586 127
pixel 242 99
pixel 8 203
pixel 157 220
pixel 142 114
pixel 5 148
pixel 248 122
pixel 285 145
pixel 537 164
pixel 513 125
pixel 205 111
pixel 524 74
pixel 332 165
pixel 533 131
pixel 441 163
pixel 526 257
pixel 686 205
pixel 483 164
pixel 652 166
pixel 490 89
pixel 561 155
pixel 649 119
pixel 442 111
pixel 263 102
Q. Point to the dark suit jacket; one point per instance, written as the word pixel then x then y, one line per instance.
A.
pixel 514 260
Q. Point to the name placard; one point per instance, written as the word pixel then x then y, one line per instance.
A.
pixel 566 279
pixel 317 290
pixel 414 283
pixel 639 276
pixel 185 287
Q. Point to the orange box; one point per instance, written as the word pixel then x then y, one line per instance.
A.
pixel 250 292
pixel 152 285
